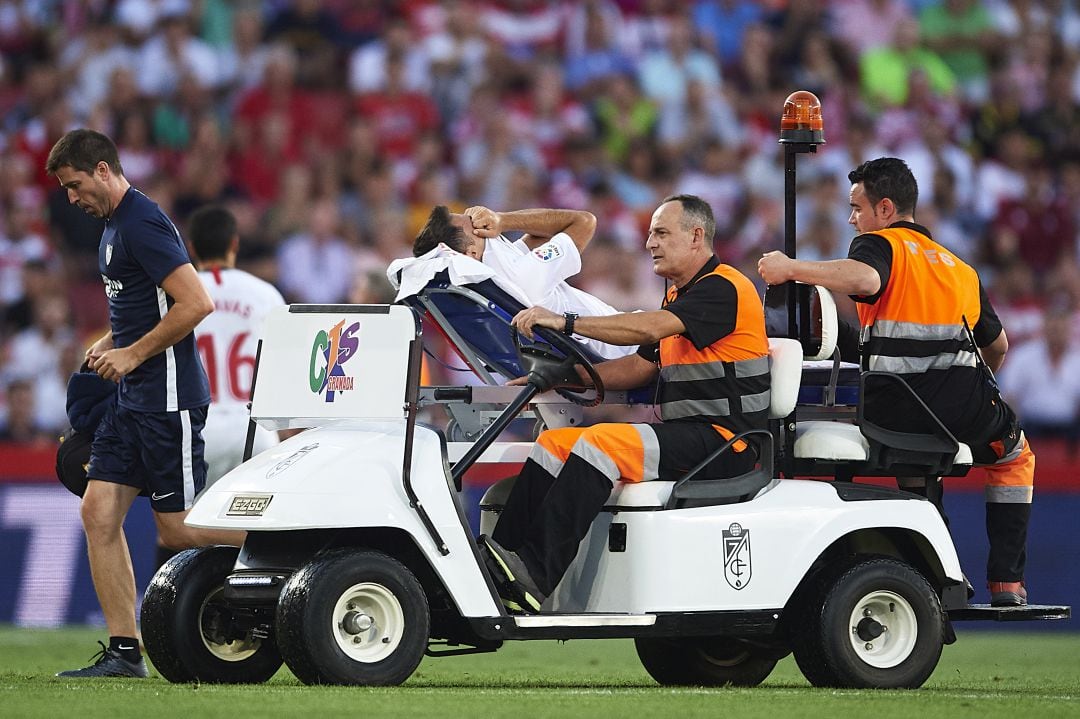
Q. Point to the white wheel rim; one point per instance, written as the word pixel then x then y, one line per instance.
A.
pixel 234 651
pixel 368 622
pixel 900 629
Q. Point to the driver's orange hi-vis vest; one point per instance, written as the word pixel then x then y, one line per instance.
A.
pixel 917 323
pixel 726 383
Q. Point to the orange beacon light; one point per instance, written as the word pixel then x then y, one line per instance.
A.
pixel 802 121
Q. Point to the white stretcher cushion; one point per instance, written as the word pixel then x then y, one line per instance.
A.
pixel 843 441
pixel 785 373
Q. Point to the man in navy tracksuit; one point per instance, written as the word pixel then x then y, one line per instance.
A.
pixel 151 438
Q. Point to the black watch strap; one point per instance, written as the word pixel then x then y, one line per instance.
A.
pixel 570 317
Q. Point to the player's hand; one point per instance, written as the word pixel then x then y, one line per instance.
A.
pixel 100 345
pixel 113 364
pixel 485 222
pixel 525 320
pixel 517 382
pixel 775 268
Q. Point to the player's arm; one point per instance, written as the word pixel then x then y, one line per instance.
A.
pixel 191 303
pixel 539 225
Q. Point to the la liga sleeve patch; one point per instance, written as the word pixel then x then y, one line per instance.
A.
pixel 548 252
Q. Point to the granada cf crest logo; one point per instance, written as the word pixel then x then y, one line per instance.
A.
pixel 736 555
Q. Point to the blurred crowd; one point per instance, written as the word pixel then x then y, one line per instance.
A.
pixel 331 127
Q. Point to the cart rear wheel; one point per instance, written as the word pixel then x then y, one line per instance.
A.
pixel 353 617
pixel 880 625
pixel 711 662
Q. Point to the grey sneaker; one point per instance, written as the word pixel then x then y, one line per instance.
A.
pixel 517 589
pixel 108 663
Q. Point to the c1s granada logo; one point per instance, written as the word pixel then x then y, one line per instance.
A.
pixel 329 351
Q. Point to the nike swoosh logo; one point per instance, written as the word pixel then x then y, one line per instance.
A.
pixel 158 497
pixel 124 648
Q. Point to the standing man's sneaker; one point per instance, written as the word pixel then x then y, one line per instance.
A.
pixel 109 663
pixel 1007 594
pixel 516 588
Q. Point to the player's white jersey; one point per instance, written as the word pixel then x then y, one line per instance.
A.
pixel 541 274
pixel 227 340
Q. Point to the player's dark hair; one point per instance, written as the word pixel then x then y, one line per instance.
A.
pixel 211 229
pixel 696 213
pixel 82 150
pixel 439 229
pixel 888 177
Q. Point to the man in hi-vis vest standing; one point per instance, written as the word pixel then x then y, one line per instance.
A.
pixel 708 346
pixel 919 308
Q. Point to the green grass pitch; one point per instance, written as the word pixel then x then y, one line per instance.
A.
pixel 983 675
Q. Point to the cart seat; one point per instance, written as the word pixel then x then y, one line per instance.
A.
pixel 845 442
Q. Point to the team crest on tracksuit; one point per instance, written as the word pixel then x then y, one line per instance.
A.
pixel 737 555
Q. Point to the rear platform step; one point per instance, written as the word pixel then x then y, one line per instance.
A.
pixel 1010 614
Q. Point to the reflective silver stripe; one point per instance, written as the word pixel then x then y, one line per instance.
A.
pixel 1015 451
pixel 755 402
pixel 694 408
pixel 752 367
pixel 1008 495
pixel 916 365
pixel 692 372
pixel 714 370
pixel 597 459
pixel 651 466
pixel 918 331
pixel 542 456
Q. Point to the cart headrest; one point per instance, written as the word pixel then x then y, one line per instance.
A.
pixel 785 374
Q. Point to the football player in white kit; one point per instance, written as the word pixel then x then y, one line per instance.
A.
pixel 228 338
pixel 537 264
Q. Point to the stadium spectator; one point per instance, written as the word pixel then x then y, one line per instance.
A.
pixel 1042 380
pixel 319 263
pixel 664 74
pixel 19 423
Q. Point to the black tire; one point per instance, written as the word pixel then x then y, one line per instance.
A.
pixel 708 662
pixel 185 622
pixel 353 617
pixel 803 620
pixel 879 625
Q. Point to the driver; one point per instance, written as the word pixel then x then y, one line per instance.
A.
pixel 709 348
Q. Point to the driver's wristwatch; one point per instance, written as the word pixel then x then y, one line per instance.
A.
pixel 570 317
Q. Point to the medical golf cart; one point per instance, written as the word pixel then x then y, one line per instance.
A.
pixel 359 560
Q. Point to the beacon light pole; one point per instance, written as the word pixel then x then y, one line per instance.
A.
pixel 801 131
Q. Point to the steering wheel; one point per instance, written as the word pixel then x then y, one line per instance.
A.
pixel 547 370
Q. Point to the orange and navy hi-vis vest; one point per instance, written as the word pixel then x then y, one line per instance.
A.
pixel 727 383
pixel 917 323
